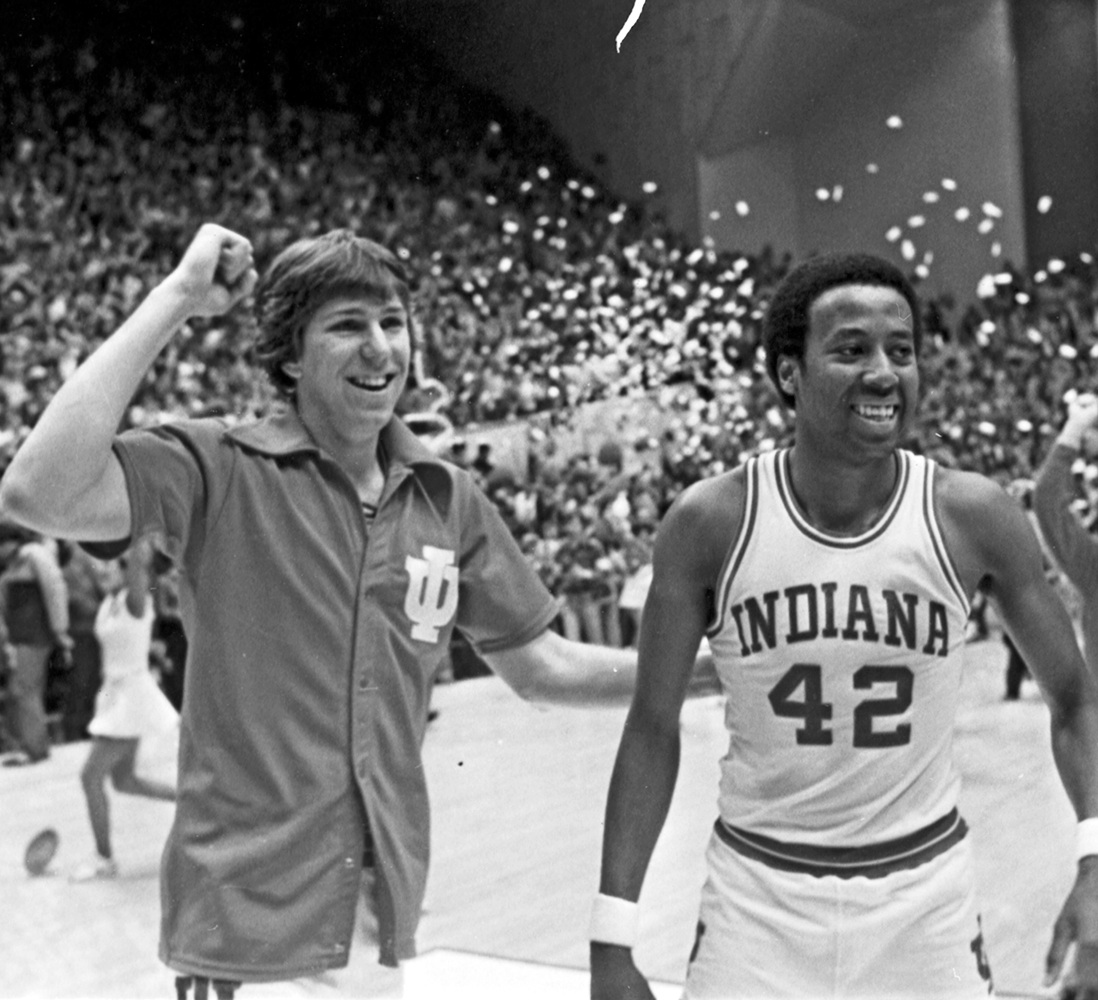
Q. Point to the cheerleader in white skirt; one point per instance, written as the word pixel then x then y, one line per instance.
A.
pixel 129 709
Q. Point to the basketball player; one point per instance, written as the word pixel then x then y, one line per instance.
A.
pixel 833 580
pixel 326 557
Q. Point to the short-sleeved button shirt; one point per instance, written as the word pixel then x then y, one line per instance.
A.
pixel 313 645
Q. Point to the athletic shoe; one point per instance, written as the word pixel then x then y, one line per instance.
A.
pixel 97 867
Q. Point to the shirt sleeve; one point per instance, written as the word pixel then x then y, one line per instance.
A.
pixel 1071 544
pixel 171 475
pixel 503 603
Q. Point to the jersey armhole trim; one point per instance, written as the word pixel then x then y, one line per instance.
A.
pixel 737 549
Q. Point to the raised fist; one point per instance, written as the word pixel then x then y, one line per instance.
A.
pixel 216 271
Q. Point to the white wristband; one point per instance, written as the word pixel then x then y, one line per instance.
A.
pixel 614 921
pixel 1086 839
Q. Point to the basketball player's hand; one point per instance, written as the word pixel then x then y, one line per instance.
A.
pixel 614 976
pixel 1078 924
pixel 216 271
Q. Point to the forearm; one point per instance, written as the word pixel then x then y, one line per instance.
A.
pixel 1071 544
pixel 641 787
pixel 1075 751
pixel 557 671
pixel 586 674
pixel 57 608
pixel 68 451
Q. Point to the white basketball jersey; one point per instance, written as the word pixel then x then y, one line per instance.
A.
pixel 841 660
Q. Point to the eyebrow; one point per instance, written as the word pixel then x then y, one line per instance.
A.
pixel 357 311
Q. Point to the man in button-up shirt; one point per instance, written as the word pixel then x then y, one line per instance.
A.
pixel 326 558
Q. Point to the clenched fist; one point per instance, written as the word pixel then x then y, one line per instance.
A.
pixel 215 273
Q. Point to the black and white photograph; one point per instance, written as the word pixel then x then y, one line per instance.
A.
pixel 548 499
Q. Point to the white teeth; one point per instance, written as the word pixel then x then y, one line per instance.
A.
pixel 876 412
pixel 363 383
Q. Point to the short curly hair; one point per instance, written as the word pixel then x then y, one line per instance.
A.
pixel 309 273
pixel 785 328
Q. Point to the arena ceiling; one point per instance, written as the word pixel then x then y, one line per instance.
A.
pixel 793 53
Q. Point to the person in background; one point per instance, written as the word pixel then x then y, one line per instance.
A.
pixel 169 637
pixel 87 580
pixel 129 708
pixel 35 607
pixel 1074 548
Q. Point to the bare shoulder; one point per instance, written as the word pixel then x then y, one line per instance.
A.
pixel 971 497
pixel 702 523
pixel 983 527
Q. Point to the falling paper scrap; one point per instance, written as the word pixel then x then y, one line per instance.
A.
pixel 634 15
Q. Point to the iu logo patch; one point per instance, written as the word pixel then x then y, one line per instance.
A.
pixel 432 592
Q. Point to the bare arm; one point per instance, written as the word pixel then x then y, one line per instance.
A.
pixel 1073 547
pixel 687 560
pixel 992 538
pixel 137 579
pixel 553 670
pixel 65 481
pixel 559 671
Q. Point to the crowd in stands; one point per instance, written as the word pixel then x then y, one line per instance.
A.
pixel 536 289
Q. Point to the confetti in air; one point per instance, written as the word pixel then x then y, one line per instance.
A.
pixel 649 187
pixel 872 168
pixel 949 184
pixel 907 248
pixel 822 194
pixel 634 16
pixel 893 234
pixel 714 215
pixel 962 214
pixel 742 208
pixel 1044 203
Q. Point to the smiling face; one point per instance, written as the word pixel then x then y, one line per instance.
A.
pixel 857 385
pixel 355 355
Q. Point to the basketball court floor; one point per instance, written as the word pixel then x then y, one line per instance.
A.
pixel 518 795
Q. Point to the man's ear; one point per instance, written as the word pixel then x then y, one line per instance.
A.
pixel 787 368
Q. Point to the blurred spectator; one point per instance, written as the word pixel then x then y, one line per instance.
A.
pixel 35 607
pixel 87 580
pixel 1058 506
pixel 169 639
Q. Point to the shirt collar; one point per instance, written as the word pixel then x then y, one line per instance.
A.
pixel 283 433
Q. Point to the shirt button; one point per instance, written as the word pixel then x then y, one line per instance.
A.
pixel 348 862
